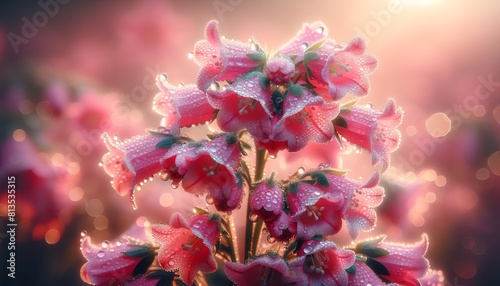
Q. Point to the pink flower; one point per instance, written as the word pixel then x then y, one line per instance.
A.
pixel 308 35
pixel 322 263
pixel 315 211
pixel 181 106
pixel 405 263
pixel 374 130
pixel 109 263
pixel 264 270
pixel 221 59
pixel 210 168
pixel 266 200
pixel 347 70
pixel 132 161
pixel 282 228
pixel 360 201
pixel 187 245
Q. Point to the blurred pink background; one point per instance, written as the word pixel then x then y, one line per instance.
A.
pixel 69 72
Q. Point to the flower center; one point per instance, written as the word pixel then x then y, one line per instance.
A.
pixel 316 263
pixel 336 69
pixel 314 211
pixel 211 170
pixel 301 117
pixel 192 245
pixel 244 103
pixel 380 134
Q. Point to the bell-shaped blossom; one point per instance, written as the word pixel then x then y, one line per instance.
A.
pixel 132 161
pixel 187 245
pixel 108 264
pixel 267 269
pixel 315 211
pixel 181 106
pixel 221 59
pixel 323 263
pixel 308 35
pixel 347 70
pixel 374 130
pixel 266 200
pixel 360 201
pixel 405 262
pixel 282 228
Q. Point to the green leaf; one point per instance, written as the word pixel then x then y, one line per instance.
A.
pixel 340 121
pixel 316 45
pixel 335 171
pixel 351 270
pixel 295 89
pixel 258 56
pixel 372 251
pixel 310 56
pixel 231 138
pixel 320 178
pixel 167 142
pixel 137 252
pixel 155 133
pixel 293 188
pixel 143 265
pixel 377 267
pixel 239 183
pixel 200 211
pixel 371 242
pixel 293 57
pixel 264 81
pixel 166 278
pixel 318 237
pixel 350 103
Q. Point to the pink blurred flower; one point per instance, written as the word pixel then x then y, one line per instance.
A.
pixel 267 269
pixel 373 129
pixel 433 278
pixel 132 161
pixel 109 263
pixel 187 245
pixel 322 263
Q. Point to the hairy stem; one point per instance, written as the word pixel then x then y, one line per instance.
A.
pixel 251 244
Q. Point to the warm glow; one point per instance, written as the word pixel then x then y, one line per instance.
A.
pixel 438 124
pixel 19 135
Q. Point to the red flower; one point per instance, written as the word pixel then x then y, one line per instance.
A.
pixel 315 211
pixel 132 161
pixel 187 245
pixel 181 106
pixel 405 262
pixel 374 130
pixel 322 263
pixel 266 201
pixel 264 270
pixel 282 228
pixel 107 264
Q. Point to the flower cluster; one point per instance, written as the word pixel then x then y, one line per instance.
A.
pixel 264 104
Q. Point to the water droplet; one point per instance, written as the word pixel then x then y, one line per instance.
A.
pixel 83 233
pixel 215 86
pixel 320 30
pixel 304 45
pixel 164 175
pixel 301 170
pixel 101 164
pixel 191 55
pixel 265 231
pixel 174 186
pixel 271 239
pixel 254 46
pixel 209 199
pixel 163 77
pixel 308 249
pixel 171 263
pixel 273 156
pixel 105 244
pixel 286 243
pixel 118 243
pixel 101 254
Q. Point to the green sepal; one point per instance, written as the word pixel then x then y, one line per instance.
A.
pixel 318 237
pixel 296 90
pixel 293 188
pixel 320 178
pixel 310 56
pixel 315 46
pixel 167 142
pixel 377 267
pixel 351 270
pixel 143 265
pixel 231 138
pixel 138 252
pixel 258 56
pixel 166 277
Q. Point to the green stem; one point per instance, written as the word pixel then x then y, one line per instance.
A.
pixel 251 244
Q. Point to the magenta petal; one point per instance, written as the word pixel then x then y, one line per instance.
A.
pixel 267 201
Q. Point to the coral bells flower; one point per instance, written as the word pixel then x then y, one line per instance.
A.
pixel 132 161
pixel 115 263
pixel 322 263
pixel 266 200
pixel 268 269
pixel 374 130
pixel 186 245
pixel 181 106
pixel 315 211
pixel 222 59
